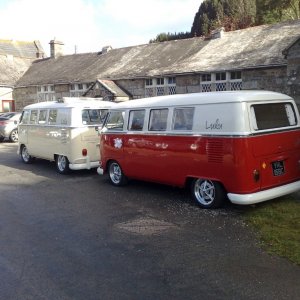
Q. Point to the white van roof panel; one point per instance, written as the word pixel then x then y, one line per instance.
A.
pixel 204 98
pixel 70 104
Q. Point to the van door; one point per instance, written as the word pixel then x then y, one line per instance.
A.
pixel 23 127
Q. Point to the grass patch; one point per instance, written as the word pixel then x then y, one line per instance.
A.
pixel 277 223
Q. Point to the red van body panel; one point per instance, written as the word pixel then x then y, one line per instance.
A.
pixel 173 159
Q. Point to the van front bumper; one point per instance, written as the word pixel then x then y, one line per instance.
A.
pixel 245 199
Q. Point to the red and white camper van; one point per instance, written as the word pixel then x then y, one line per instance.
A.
pixel 244 145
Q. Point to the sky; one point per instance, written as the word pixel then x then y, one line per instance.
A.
pixel 88 25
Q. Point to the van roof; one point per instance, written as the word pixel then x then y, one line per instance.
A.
pixel 70 104
pixel 204 98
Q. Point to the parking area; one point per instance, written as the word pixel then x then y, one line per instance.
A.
pixel 77 237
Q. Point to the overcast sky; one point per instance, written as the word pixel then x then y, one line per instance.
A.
pixel 89 25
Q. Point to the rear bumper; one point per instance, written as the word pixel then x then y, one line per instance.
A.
pixel 245 199
pixel 84 165
pixel 100 171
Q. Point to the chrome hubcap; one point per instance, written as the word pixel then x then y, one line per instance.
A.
pixel 204 191
pixel 115 173
pixel 61 163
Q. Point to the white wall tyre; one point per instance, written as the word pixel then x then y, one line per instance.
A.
pixel 116 174
pixel 25 156
pixel 62 164
pixel 208 193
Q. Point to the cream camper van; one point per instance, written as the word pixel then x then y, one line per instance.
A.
pixel 62 131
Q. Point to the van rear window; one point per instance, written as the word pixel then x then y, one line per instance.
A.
pixel 273 115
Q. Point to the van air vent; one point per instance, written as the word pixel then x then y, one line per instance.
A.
pixel 214 150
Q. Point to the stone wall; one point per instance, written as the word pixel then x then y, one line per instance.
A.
pixel 24 96
pixel 135 87
pixel 273 79
pixel 28 95
pixel 293 71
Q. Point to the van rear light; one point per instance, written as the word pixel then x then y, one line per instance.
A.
pixel 256 175
pixel 84 152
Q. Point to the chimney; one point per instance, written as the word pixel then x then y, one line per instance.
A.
pixel 105 49
pixel 217 33
pixel 56 48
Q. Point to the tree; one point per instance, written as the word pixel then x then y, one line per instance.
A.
pixel 271 11
pixel 236 14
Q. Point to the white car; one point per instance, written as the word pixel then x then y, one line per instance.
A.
pixel 9 126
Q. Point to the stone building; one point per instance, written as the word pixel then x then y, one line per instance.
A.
pixel 263 57
pixel 15 58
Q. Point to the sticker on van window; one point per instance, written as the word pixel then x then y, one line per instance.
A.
pixel 118 143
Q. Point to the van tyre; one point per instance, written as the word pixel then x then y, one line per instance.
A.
pixel 26 157
pixel 14 137
pixel 207 193
pixel 62 164
pixel 116 174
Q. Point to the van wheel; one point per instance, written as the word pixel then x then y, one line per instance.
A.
pixel 207 193
pixel 1 139
pixel 14 137
pixel 116 174
pixel 27 159
pixel 62 164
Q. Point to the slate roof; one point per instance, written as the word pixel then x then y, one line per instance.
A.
pixel 113 88
pixel 259 46
pixel 15 58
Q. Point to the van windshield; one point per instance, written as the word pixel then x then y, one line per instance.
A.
pixel 93 116
pixel 273 115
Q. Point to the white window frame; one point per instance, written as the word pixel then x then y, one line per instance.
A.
pixel 46 92
pixel 160 86
pixel 226 84
pixel 78 89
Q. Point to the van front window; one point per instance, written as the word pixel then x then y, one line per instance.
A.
pixel 273 115
pixel 115 120
pixel 93 116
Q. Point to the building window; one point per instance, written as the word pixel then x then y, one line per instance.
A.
pixel 171 80
pixel 235 80
pixel 160 86
pixel 46 93
pixel 235 75
pixel 205 77
pixel 149 82
pixel 221 81
pixel 160 81
pixel 78 89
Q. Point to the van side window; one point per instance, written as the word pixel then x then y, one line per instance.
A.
pixel 136 120
pixel 273 115
pixel 33 116
pixel 25 117
pixel 115 120
pixel 158 119
pixel 183 118
pixel 52 116
pixel 42 116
